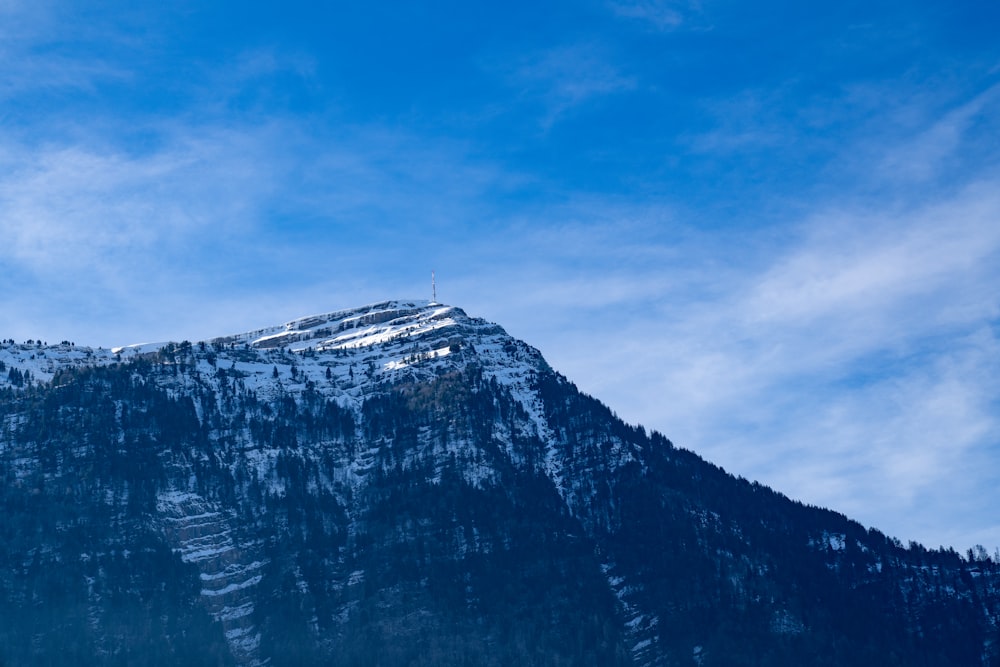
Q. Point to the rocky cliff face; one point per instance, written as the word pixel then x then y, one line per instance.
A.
pixel 404 484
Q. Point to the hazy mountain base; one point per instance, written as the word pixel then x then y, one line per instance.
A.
pixel 463 535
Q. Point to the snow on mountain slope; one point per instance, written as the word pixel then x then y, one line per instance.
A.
pixel 346 356
pixel 42 361
pixel 342 355
pixel 294 467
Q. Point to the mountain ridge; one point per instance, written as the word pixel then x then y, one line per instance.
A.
pixel 385 473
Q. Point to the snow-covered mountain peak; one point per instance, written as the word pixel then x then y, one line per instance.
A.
pixel 345 355
pixel 340 329
pixel 354 327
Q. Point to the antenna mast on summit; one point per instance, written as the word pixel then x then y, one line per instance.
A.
pixel 434 289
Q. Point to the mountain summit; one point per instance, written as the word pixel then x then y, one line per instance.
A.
pixel 402 484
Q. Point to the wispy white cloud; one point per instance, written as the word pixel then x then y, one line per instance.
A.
pixel 847 356
pixel 566 77
pixel 660 14
pixel 34 54
pixel 71 205
pixel 55 73
pixel 854 366
pixel 743 121
pixel 212 220
pixel 874 271
pixel 872 136
pixel 923 156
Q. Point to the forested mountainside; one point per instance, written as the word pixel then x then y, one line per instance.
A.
pixel 401 484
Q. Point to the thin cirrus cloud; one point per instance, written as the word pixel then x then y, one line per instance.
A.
pixel 876 268
pixel 566 77
pixel 34 57
pixel 926 154
pixel 850 361
pixel 659 14
pixel 201 219
pixel 75 205
pixel 856 369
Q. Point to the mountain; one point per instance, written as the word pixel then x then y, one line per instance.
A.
pixel 402 484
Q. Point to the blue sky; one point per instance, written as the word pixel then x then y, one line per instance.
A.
pixel 769 230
